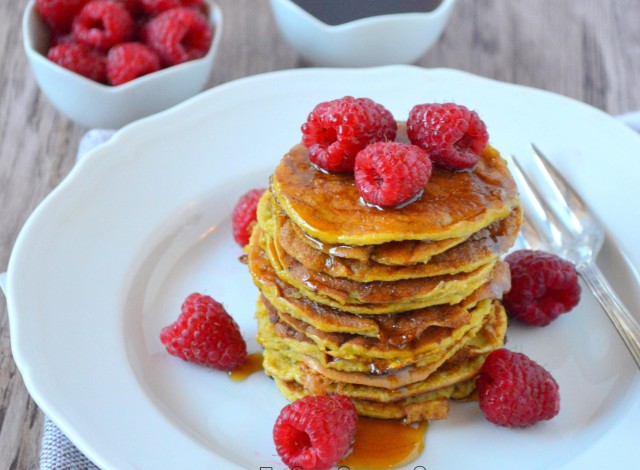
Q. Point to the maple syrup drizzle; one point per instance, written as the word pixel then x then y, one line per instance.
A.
pixel 248 367
pixel 382 443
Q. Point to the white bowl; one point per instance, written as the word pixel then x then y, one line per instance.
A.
pixel 378 40
pixel 93 104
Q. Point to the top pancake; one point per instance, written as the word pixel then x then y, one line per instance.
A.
pixel 454 204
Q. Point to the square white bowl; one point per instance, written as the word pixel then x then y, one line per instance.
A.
pixel 94 104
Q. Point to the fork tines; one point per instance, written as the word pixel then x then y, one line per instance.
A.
pixel 538 216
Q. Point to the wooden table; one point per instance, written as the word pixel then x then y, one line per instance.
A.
pixel 588 50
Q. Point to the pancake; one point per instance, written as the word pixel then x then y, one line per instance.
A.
pixel 348 346
pixel 390 253
pixel 279 336
pixel 377 297
pixel 428 406
pixel 369 371
pixel 450 374
pixel 401 253
pixel 327 207
pixel 396 328
pixel 481 248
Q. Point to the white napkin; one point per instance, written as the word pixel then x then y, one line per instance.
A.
pixel 58 453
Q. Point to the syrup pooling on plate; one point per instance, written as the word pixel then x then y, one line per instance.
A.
pixel 385 444
pixel 251 365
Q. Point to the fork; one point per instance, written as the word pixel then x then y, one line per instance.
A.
pixel 563 224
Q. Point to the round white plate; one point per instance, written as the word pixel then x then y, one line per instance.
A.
pixel 105 262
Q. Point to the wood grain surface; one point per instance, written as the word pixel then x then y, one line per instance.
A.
pixel 587 49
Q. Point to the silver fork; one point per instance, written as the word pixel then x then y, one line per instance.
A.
pixel 562 223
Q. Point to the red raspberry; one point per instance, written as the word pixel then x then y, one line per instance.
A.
pixel 391 174
pixel 453 135
pixel 543 286
pixel 178 35
pixel 337 130
pixel 244 216
pixel 154 7
pixel 58 14
pixel 103 24
pixel 56 39
pixel 197 4
pixel 205 333
pixel 315 433
pixel 130 60
pixel 516 392
pixel 81 60
pixel 133 7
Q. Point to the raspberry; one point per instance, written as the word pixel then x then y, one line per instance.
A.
pixel 337 130
pixel 391 174
pixel 543 286
pixel 154 7
pixel 133 6
pixel 103 24
pixel 244 216
pixel 81 60
pixel 56 39
pixel 130 60
pixel 516 392
pixel 315 433
pixel 453 135
pixel 58 14
pixel 197 4
pixel 178 35
pixel 205 333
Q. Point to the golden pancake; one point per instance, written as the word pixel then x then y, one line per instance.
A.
pixel 391 253
pixel 284 368
pixel 355 347
pixel 377 297
pixel 481 248
pixel 370 371
pixel 327 207
pixel 395 328
pixel 279 336
pixel 431 405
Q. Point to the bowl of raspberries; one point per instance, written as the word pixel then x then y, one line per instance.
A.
pixel 105 63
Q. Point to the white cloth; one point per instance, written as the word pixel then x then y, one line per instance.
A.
pixel 58 453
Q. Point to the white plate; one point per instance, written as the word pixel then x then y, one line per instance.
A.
pixel 144 220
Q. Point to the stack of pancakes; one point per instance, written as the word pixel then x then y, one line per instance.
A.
pixel 396 309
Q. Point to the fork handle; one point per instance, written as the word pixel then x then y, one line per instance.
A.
pixel 627 326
